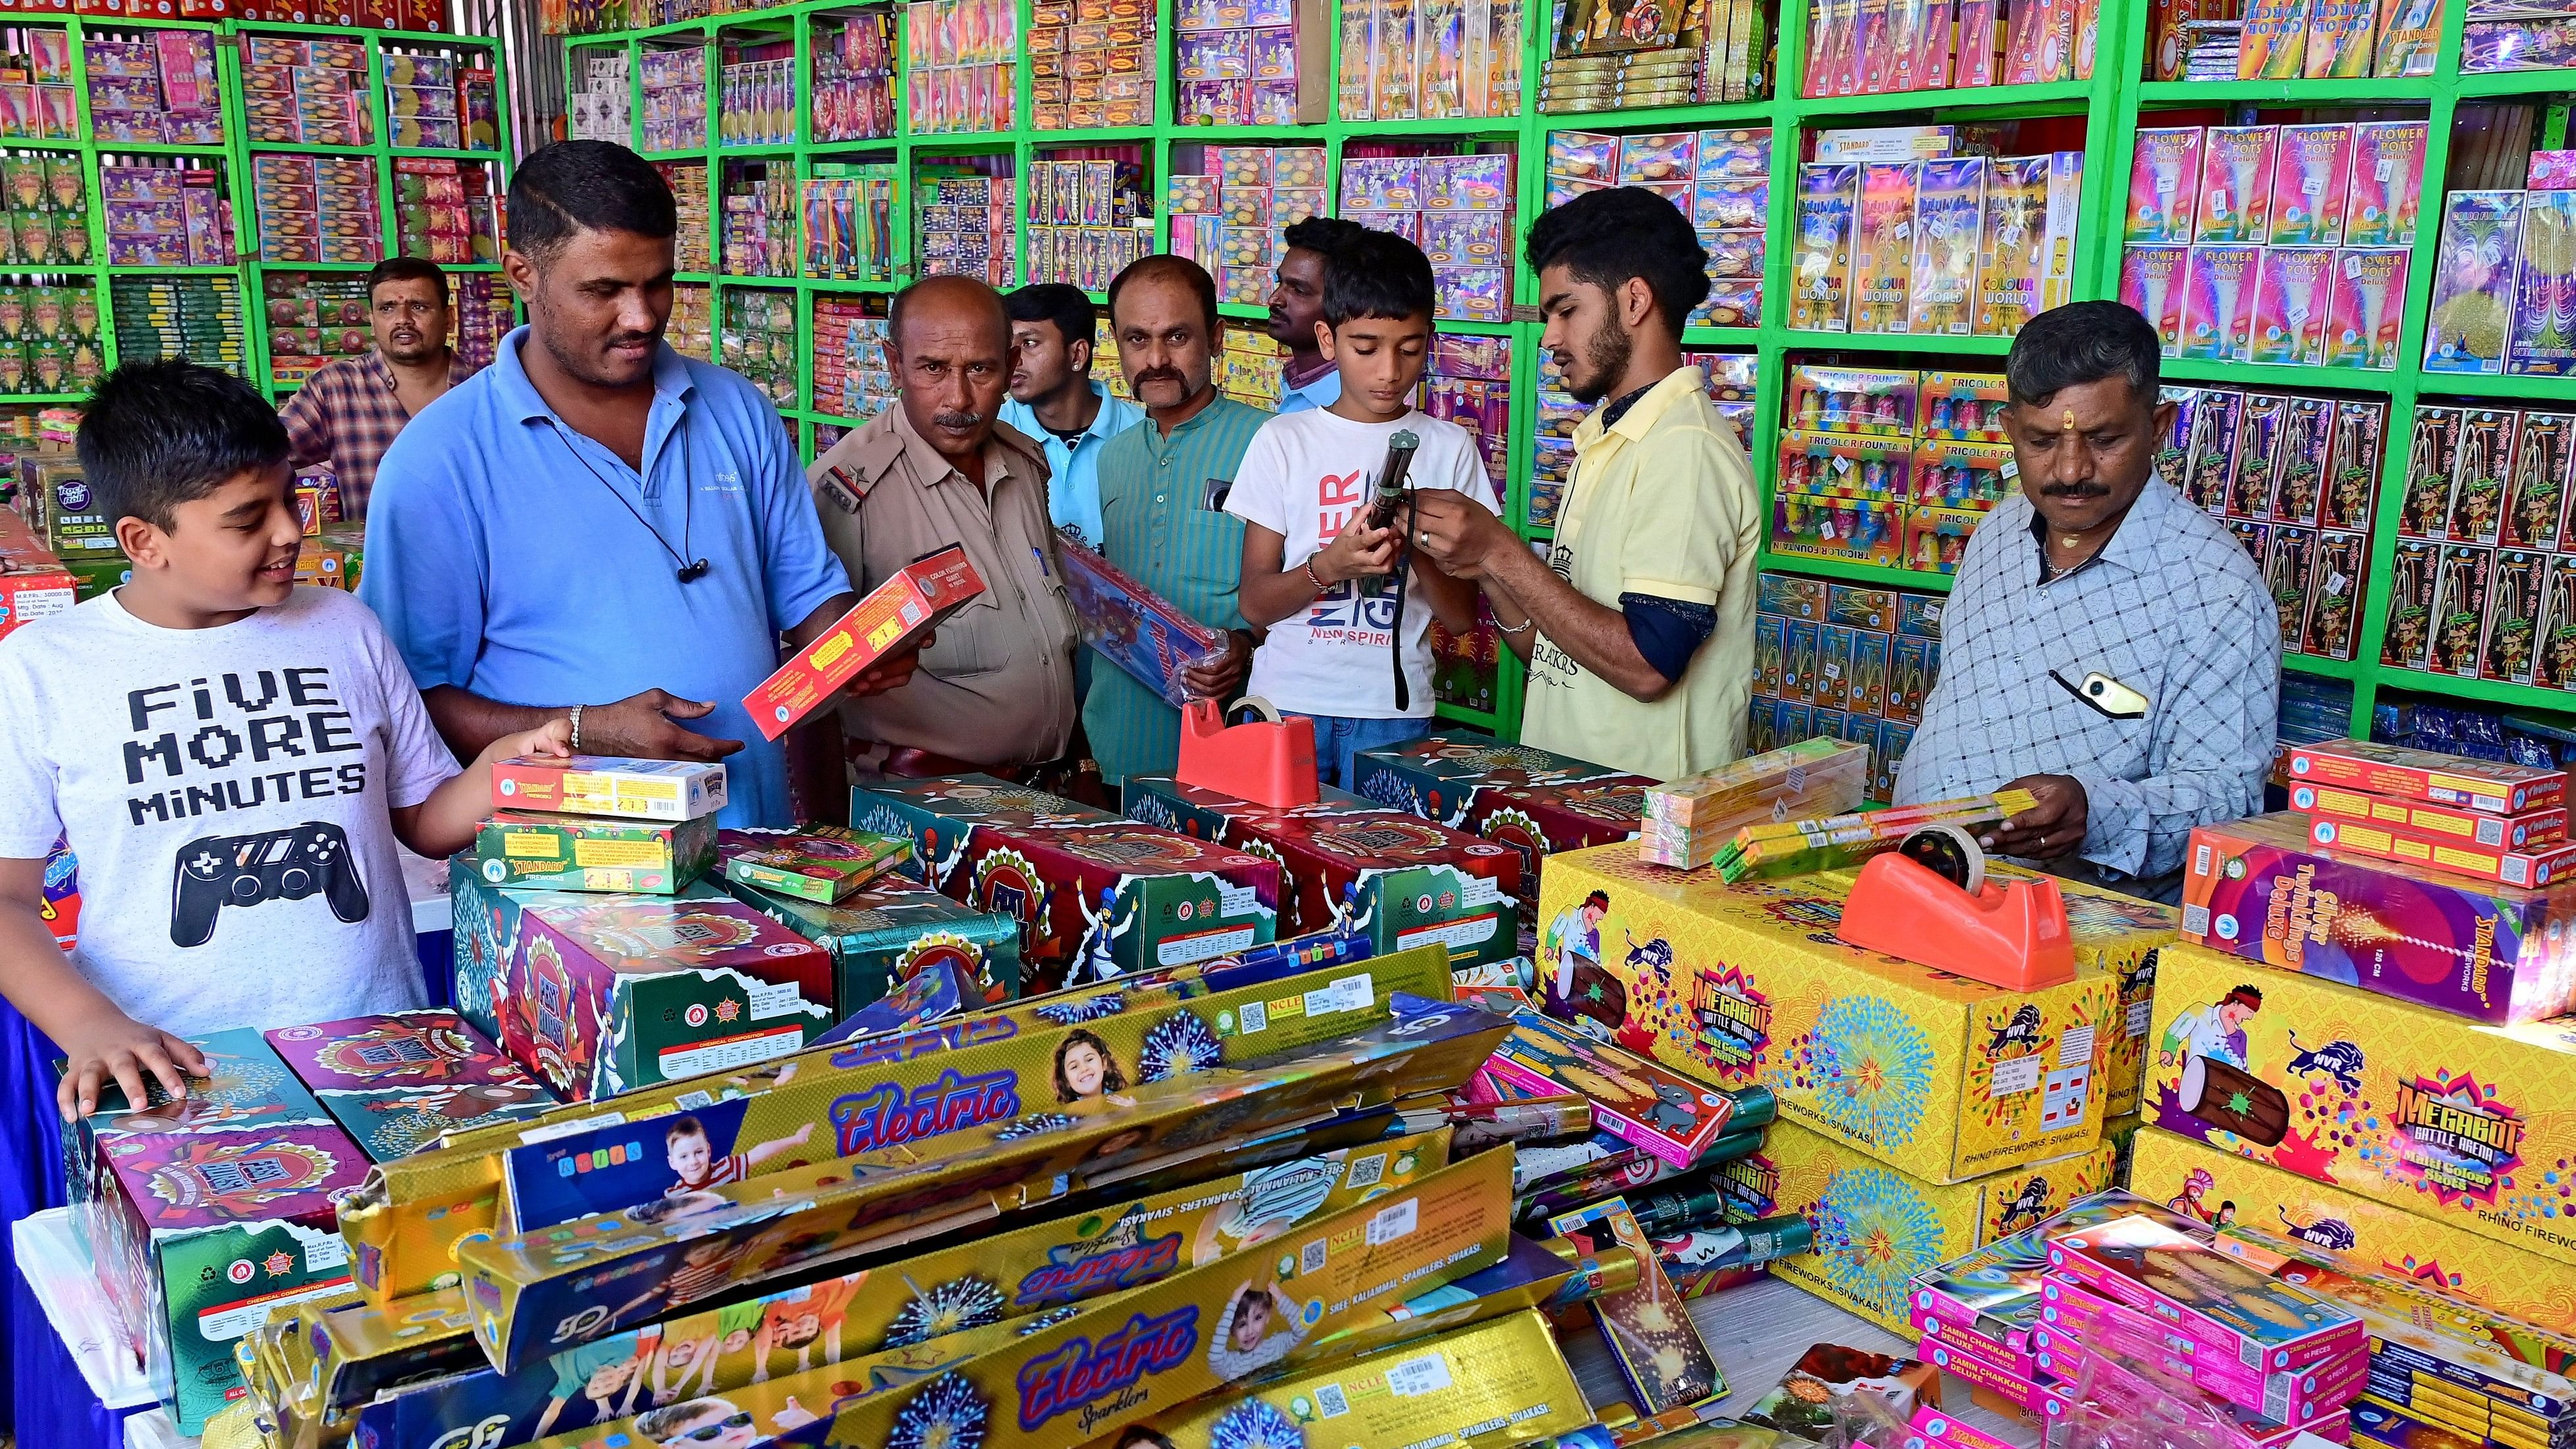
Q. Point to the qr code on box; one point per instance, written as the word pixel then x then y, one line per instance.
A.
pixel 1368 1171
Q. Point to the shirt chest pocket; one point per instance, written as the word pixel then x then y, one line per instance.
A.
pixel 2111 740
pixel 1208 550
pixel 974 640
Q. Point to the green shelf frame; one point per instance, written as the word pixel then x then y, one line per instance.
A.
pixel 2110 106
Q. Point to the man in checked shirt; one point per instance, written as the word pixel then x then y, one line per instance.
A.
pixel 2107 647
pixel 349 413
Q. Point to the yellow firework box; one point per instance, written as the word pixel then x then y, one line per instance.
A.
pixel 2440 1116
pixel 1133 1355
pixel 2345 1226
pixel 587 1278
pixel 1944 1078
pixel 1503 1382
pixel 1877 1227
pixel 407 1221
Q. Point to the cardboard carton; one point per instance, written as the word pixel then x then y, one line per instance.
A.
pixel 1533 801
pixel 621 789
pixel 885 934
pixel 535 850
pixel 818 863
pixel 910 603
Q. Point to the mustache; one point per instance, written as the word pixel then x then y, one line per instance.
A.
pixel 2074 490
pixel 958 420
pixel 1159 374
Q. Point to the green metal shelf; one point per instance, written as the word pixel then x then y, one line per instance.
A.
pixel 1805 341
pixel 1881 575
pixel 2484 691
pixel 2534 389
pixel 2267 374
pixel 2330 668
pixel 2210 94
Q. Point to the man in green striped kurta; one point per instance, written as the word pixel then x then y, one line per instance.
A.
pixel 1162 502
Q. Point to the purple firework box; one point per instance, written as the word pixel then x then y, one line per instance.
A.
pixel 392 1049
pixel 1136 629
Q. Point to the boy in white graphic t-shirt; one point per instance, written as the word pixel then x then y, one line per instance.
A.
pixel 230 757
pixel 1349 606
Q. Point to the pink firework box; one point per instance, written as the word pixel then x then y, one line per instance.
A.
pixel 2218 303
pixel 2291 296
pixel 2100 1327
pixel 2386 180
pixel 2048 1403
pixel 2309 172
pixel 2164 184
pixel 2223 1306
pixel 2236 183
pixel 393 1049
pixel 2119 1385
pixel 2152 282
pixel 2367 307
pixel 1882 247
pixel 1931 1428
pixel 1634 1099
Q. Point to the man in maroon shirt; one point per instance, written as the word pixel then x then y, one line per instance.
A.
pixel 348 413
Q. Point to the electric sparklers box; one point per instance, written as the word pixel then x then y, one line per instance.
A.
pixel 588 853
pixel 2434 1115
pixel 1533 801
pixel 2258 889
pixel 885 934
pixel 1946 1078
pixel 911 601
pixel 599 785
pixel 1097 896
pixel 1877 1229
pixel 1415 882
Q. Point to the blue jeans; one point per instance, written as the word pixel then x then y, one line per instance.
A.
pixel 1340 738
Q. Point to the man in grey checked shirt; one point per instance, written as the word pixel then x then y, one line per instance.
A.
pixel 2100 568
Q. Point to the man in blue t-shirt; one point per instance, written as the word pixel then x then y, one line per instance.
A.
pixel 596 524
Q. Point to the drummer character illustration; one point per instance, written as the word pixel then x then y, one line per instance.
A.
pixel 2216 1031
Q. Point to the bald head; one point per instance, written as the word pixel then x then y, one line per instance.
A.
pixel 949 345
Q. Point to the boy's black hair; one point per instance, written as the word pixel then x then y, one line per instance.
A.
pixel 1056 302
pixel 2083 342
pixel 406 269
pixel 586 186
pixel 155 435
pixel 1607 237
pixel 1170 268
pixel 1379 274
pixel 1326 236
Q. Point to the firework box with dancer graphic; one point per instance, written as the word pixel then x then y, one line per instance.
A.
pixel 886 933
pixel 2260 890
pixel 400 1081
pixel 910 603
pixel 858 1096
pixel 592 853
pixel 200 1215
pixel 2432 1114
pixel 1007 1277
pixel 591 1277
pixel 1877 1228
pixel 1401 879
pixel 2366 1233
pixel 1746 984
pixel 1536 802
pixel 1096 895
pixel 1133 1356
pixel 1132 626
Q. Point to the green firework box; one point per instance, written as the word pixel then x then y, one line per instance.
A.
pixel 1536 802
pixel 593 852
pixel 1343 860
pixel 1124 1359
pixel 851 1097
pixel 1096 895
pixel 996 1278
pixel 584 1278
pixel 886 933
pixel 201 1216
pixel 817 863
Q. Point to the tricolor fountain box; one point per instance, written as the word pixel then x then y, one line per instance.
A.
pixel 1096 895
pixel 1536 802
pixel 887 933
pixel 200 1217
pixel 398 1081
pixel 1416 882
pixel 604 994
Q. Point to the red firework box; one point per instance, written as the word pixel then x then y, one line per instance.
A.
pixel 1096 895
pixel 1403 880
pixel 2377 769
pixel 605 994
pixel 2529 830
pixel 2542 866
pixel 399 1081
pixel 910 603
pixel 202 1215
pixel 1536 802
pixel 2199 1292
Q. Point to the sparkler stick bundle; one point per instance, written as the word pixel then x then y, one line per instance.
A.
pixel 1798 847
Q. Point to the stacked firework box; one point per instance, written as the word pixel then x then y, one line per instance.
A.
pixel 2505 824
pixel 1687 820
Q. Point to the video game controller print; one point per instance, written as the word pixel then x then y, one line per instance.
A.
pixel 243 870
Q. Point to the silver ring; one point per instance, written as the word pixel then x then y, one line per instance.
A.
pixel 1422 539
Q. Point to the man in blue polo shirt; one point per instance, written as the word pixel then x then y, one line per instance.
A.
pixel 597 526
pixel 1057 405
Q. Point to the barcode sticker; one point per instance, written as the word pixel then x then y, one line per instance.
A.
pixel 1255 1018
pixel 1331 1402
pixel 2076 1047
pixel 1392 1223
pixel 1367 1171
pixel 693 1101
pixel 1311 1259
pixel 1428 1374
pixel 1350 993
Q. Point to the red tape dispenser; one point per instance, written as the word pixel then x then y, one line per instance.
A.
pixel 1929 902
pixel 1269 761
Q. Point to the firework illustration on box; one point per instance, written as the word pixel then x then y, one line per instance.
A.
pixel 1516 795
pixel 886 934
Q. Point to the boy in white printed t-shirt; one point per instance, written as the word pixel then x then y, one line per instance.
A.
pixel 1313 570
pixel 230 757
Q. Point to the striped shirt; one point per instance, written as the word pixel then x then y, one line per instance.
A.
pixel 1163 520
pixel 347 415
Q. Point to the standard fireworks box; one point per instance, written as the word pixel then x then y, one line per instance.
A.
pixel 1947 1078
pixel 592 853
pixel 1989 1300
pixel 1400 879
pixel 1636 1100
pixel 2377 769
pixel 397 1082
pixel 2217 1304
pixel 996 1278
pixel 199 1216
pixel 882 1092
pixel 911 602
pixel 33 583
pixel 818 863
pixel 2084 1327
pixel 1533 801
pixel 620 789
pixel 2260 890
pixel 2458 824
pixel 883 935
pixel 1877 1228
pixel 604 994
pixel 1096 895
pixel 597 1275
pixel 2504 864
pixel 2426 1112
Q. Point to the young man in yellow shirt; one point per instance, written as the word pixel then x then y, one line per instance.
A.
pixel 1638 625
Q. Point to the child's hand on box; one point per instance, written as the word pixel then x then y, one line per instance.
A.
pixel 449 819
pixel 104 1044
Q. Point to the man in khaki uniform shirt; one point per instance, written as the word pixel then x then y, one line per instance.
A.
pixel 995 688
